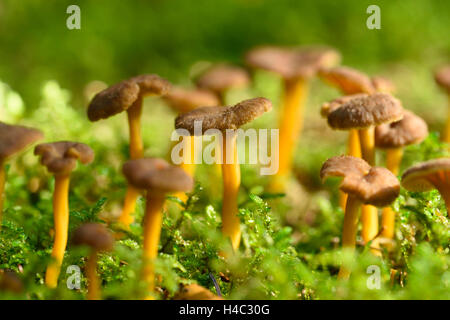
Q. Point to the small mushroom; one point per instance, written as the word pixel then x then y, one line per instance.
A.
pixel 382 84
pixel 10 282
pixel 364 114
pixel 195 292
pixel 227 120
pixel 98 239
pixel 13 139
pixel 221 78
pixel 429 175
pixel 158 178
pixel 60 158
pixel 364 184
pixel 442 78
pixel 127 95
pixel 394 137
pixel 296 66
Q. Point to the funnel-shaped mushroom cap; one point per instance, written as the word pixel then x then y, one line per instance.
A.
pixel 381 84
pixel 364 112
pixel 411 129
pixel 156 175
pixel 427 175
pixel 347 80
pixel 184 100
pixel 332 105
pixel 222 118
pixel 223 77
pixel 16 138
pixel 94 235
pixel 442 77
pixel 371 185
pixel 9 281
pixel 61 157
pixel 121 96
pixel 195 292
pixel 292 63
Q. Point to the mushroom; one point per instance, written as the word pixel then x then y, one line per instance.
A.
pixel 13 139
pixel 296 66
pixel 393 137
pixel 195 292
pixel 364 113
pixel 364 184
pixel 429 175
pixel 9 281
pixel 60 158
pixel 98 239
pixel 382 84
pixel 127 95
pixel 221 78
pixel 442 78
pixel 227 120
pixel 158 178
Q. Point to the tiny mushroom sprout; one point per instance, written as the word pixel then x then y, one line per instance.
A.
pixel 127 95
pixel 221 78
pixel 429 175
pixel 185 100
pixel 393 137
pixel 364 113
pixel 364 184
pixel 97 237
pixel 195 292
pixel 13 139
pixel 60 158
pixel 157 178
pixel 227 120
pixel 296 66
pixel 442 77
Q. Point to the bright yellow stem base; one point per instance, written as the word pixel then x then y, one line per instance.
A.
pixel 369 220
pixel 446 133
pixel 152 231
pixel 94 292
pixel 61 220
pixel 290 126
pixel 353 149
pixel 231 181
pixel 2 190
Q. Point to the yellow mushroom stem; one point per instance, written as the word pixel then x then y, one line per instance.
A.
pixel 231 173
pixel 353 149
pixel 2 189
pixel 393 160
pixel 441 181
pixel 152 231
pixel 446 133
pixel 136 152
pixel 290 126
pixel 61 220
pixel 188 161
pixel 91 274
pixel 369 214
pixel 350 229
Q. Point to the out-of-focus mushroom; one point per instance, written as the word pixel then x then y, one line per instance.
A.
pixel 442 77
pixel 364 114
pixel 98 239
pixel 227 120
pixel 382 84
pixel 195 292
pixel 393 137
pixel 221 78
pixel 157 178
pixel 429 175
pixel 364 184
pixel 10 282
pixel 13 139
pixel 127 96
pixel 61 158
pixel 296 66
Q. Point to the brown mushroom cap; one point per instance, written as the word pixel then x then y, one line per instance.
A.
pixel 156 175
pixel 9 281
pixel 292 63
pixel 411 129
pixel 348 80
pixel 94 235
pixel 442 77
pixel 184 100
pixel 424 176
pixel 332 105
pixel 195 292
pixel 16 138
pixel 121 96
pixel 222 118
pixel 371 185
pixel 364 112
pixel 381 84
pixel 223 77
pixel 61 157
